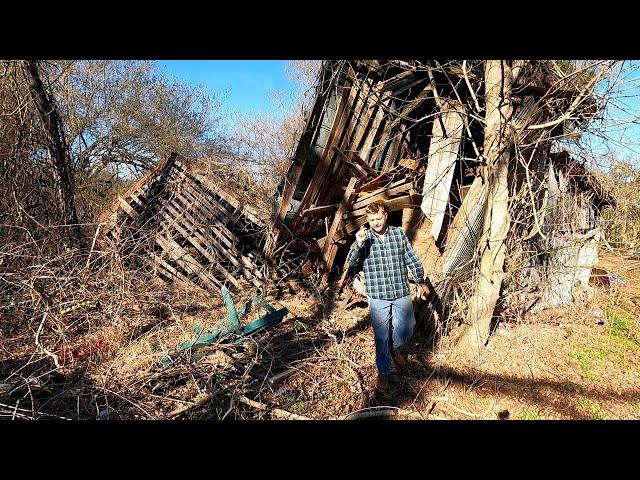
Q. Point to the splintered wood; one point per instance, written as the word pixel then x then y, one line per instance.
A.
pixel 409 134
pixel 188 228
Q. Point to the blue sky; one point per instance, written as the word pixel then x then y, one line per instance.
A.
pixel 243 85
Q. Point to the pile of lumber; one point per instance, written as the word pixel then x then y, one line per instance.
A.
pixel 189 228
pixel 411 134
pixel 361 146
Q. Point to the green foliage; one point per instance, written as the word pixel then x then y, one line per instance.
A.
pixel 588 357
pixel 623 325
pixel 529 415
pixel 593 408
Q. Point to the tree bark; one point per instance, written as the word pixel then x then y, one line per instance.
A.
pixel 498 145
pixel 57 146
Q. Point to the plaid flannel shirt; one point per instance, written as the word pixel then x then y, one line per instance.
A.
pixel 385 261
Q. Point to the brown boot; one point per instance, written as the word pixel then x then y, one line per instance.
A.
pixel 398 359
pixel 382 384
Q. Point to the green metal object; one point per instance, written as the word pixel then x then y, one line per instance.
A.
pixel 231 309
pixel 230 325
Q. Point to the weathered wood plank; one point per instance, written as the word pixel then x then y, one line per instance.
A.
pixel 378 120
pixel 360 206
pixel 384 180
pixel 169 271
pixel 128 209
pixel 329 248
pixel 354 168
pixel 443 156
pixel 192 239
pixel 293 176
pixel 321 211
pixel 250 269
pixel 186 261
pixel 321 171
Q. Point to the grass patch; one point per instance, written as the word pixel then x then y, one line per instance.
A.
pixel 594 409
pixel 588 358
pixel 528 415
pixel 635 405
pixel 622 325
pixel 299 406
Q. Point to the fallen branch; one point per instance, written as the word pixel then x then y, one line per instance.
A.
pixel 388 412
pixel 282 375
pixel 277 412
pixel 42 347
pixel 199 400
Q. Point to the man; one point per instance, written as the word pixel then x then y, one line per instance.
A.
pixel 386 253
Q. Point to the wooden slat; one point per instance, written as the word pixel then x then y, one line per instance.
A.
pixel 443 156
pixel 395 204
pixel 317 181
pixel 222 236
pixel 192 239
pixel 229 237
pixel 355 169
pixel 355 158
pixel 186 261
pixel 250 271
pixel 293 176
pixel 381 181
pixel 360 206
pixel 229 197
pixel 339 169
pixel 361 123
pixel 318 212
pixel 397 80
pixel 329 248
pixel 159 262
pixel 200 196
pixel 380 147
pixel 128 209
pixel 396 144
pixel 378 119
pixel 187 199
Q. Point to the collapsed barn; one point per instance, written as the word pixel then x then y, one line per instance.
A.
pixel 411 134
pixel 460 153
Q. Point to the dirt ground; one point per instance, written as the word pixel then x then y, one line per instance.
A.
pixel 576 362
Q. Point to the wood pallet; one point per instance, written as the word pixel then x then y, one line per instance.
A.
pixel 189 228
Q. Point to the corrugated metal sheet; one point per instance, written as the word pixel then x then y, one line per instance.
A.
pixel 462 252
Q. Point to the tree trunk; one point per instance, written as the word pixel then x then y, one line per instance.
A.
pixel 57 146
pixel 498 144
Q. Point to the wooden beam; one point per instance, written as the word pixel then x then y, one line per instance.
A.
pixel 378 120
pixel 381 181
pixel 443 157
pixel 360 206
pixel 321 211
pixel 342 110
pixel 358 172
pixel 329 248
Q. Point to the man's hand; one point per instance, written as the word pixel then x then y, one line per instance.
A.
pixel 361 236
pixel 424 291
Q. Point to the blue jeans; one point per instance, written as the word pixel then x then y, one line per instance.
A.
pixel 390 316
